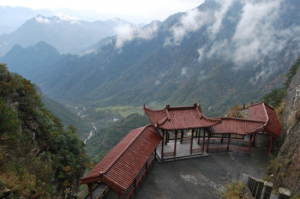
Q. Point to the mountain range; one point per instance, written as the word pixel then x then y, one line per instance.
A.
pixel 16 16
pixel 66 34
pixel 221 53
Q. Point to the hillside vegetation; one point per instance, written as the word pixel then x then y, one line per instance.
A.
pixel 106 138
pixel 39 158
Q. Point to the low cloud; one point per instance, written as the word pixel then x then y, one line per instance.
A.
pixel 265 72
pixel 256 34
pixel 70 19
pixel 183 71
pixel 58 18
pixel 194 19
pixel 190 22
pixel 219 48
pixel 218 17
pixel 41 19
pixel 127 33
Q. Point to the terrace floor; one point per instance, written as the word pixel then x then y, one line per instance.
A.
pixel 203 178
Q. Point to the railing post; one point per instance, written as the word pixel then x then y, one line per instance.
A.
pixel 251 184
pixel 266 193
pixel 259 188
pixel 283 193
pixel 254 186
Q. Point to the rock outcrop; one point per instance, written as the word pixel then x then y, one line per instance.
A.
pixel 286 170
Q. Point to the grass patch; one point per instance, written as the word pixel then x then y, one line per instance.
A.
pixel 235 190
pixel 124 111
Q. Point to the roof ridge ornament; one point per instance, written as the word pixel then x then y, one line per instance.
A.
pixel 199 105
pixel 168 115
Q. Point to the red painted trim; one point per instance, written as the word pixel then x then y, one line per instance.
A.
pixel 250 143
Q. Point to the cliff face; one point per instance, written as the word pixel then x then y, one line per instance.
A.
pixel 287 167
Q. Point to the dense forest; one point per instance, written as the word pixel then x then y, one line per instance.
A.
pixel 39 157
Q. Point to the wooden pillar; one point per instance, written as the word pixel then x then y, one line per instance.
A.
pixel 254 136
pixel 181 136
pixel 90 191
pixel 162 145
pixel 168 137
pixel 203 142
pixel 271 145
pixel 229 135
pixel 207 146
pixel 222 138
pixel 191 145
pixel 119 196
pixel 250 143
pixel 199 133
pixel 166 141
pixel 175 144
pixel 134 185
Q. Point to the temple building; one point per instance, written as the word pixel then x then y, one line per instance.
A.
pixel 178 133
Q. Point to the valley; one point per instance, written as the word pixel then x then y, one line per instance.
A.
pixel 96 77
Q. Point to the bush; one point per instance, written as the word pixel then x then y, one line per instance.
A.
pixel 235 190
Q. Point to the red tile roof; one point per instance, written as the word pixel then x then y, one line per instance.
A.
pixel 121 166
pixel 264 112
pixel 262 118
pixel 237 126
pixel 174 118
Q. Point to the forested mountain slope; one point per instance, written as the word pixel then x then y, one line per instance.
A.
pixel 222 53
pixel 39 158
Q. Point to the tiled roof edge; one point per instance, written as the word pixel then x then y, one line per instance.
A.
pixel 124 150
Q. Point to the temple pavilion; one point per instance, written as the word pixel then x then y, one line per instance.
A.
pixel 178 133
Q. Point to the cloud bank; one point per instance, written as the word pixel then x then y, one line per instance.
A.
pixel 58 18
pixel 190 22
pixel 256 34
pixel 127 33
pixel 194 19
pixel 41 19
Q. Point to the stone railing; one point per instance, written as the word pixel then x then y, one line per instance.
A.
pixel 260 189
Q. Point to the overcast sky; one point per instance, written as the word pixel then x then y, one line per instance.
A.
pixel 139 10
